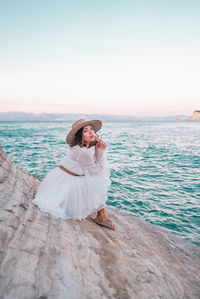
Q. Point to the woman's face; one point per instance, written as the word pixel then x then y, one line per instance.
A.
pixel 88 134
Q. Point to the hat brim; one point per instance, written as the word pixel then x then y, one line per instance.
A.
pixel 96 124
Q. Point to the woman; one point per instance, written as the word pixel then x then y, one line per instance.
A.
pixel 78 186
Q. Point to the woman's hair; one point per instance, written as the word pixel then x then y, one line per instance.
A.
pixel 78 139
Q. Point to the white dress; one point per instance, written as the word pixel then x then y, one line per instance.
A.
pixel 75 197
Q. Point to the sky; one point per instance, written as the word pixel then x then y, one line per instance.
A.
pixel 108 57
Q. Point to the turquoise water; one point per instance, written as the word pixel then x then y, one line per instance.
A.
pixel 155 166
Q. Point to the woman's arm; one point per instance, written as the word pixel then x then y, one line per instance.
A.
pixel 99 145
pixel 87 162
pixel 100 154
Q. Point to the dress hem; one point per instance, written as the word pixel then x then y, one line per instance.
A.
pixel 53 213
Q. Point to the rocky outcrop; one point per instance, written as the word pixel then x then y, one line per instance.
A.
pixel 42 256
pixel 195 116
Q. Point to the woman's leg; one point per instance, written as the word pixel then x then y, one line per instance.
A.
pixel 102 213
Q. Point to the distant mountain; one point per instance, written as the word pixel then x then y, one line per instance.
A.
pixel 24 116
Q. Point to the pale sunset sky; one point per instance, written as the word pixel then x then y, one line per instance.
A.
pixel 107 57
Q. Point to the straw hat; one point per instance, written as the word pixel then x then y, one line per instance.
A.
pixel 77 125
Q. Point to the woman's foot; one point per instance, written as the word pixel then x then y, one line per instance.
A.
pixel 104 221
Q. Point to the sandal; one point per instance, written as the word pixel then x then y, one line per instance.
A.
pixel 104 222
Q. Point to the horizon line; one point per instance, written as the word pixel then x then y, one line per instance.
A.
pixel 106 114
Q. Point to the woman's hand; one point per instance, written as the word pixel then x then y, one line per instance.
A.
pixel 100 143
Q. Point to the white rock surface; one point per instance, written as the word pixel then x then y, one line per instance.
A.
pixel 42 256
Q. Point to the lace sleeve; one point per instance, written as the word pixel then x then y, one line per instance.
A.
pixel 100 155
pixel 90 165
pixel 87 161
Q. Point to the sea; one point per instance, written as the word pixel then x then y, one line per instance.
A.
pixel 154 166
